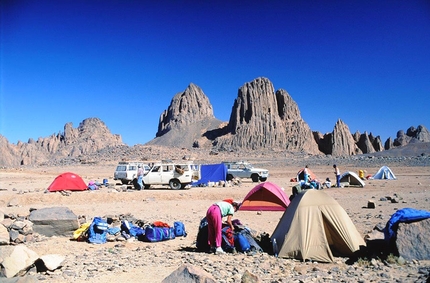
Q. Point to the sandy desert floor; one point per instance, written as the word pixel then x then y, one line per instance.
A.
pixel 27 186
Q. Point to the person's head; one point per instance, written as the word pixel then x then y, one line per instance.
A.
pixel 306 166
pixel 334 166
pixel 236 205
pixel 139 166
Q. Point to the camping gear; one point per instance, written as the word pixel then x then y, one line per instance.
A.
pixel 179 229
pixel 97 231
pixel 80 234
pixel 351 179
pixel 301 175
pixel 227 243
pixel 157 234
pixel 211 173
pixel 241 243
pixel 265 196
pixel 384 173
pixel 67 181
pixel 316 227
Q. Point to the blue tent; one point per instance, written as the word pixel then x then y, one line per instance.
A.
pixel 403 215
pixel 211 173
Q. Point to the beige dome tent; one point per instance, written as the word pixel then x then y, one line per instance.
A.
pixel 316 227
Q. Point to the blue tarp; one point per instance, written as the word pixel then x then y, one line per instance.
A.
pixel 211 173
pixel 403 215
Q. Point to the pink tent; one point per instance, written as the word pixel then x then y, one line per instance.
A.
pixel 266 196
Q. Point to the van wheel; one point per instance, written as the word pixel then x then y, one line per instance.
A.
pixel 229 177
pixel 263 179
pixel 175 184
pixel 255 177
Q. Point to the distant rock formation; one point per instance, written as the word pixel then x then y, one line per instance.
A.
pixel 342 141
pixel 420 134
pixel 90 136
pixel 188 117
pixel 263 119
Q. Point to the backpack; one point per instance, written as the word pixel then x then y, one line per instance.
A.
pixel 241 243
pixel 227 243
pixel 202 236
pixel 97 231
pixel 179 229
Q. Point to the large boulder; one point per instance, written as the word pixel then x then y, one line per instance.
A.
pixel 189 274
pixel 54 221
pixel 413 240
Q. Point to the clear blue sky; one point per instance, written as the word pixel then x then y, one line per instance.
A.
pixel 365 62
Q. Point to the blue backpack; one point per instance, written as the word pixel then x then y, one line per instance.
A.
pixel 179 229
pixel 241 243
pixel 97 231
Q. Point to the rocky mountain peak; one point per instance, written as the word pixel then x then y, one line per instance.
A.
pixel 261 118
pixel 342 141
pixel 186 108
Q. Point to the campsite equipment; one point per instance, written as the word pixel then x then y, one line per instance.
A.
pixel 315 227
pixel 105 182
pixel 361 174
pixel 179 229
pixel 301 175
pixel 211 173
pixel 265 196
pixel 351 179
pixel 157 234
pixel 227 243
pixel 80 234
pixel 97 231
pixel 384 173
pixel 241 242
pixel 67 181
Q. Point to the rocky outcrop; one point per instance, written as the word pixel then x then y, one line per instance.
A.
pixel 419 134
pixel 189 112
pixel 261 118
pixel 8 153
pixel 186 108
pixel 90 136
pixel 365 143
pixel 342 141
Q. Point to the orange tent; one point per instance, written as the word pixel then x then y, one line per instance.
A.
pixel 301 175
pixel 67 182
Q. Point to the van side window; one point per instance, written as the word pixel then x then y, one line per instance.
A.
pixel 156 169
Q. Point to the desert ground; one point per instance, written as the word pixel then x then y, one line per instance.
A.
pixel 26 188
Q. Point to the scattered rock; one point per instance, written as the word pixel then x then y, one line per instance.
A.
pixel 189 274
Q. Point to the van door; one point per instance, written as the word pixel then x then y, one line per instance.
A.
pixel 154 176
pixel 167 173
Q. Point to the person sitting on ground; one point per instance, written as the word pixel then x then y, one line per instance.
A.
pixel 214 216
pixel 327 183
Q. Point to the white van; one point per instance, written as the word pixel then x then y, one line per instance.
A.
pixel 126 171
pixel 177 175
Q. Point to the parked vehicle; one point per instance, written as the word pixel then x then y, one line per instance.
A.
pixel 243 169
pixel 177 175
pixel 126 171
